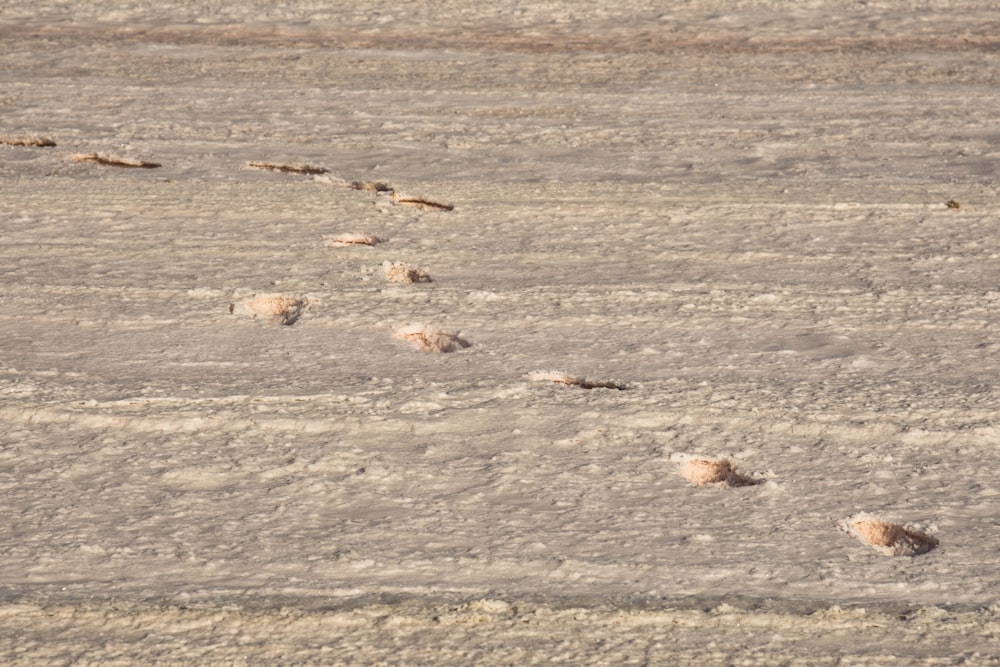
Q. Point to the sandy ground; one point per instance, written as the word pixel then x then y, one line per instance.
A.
pixel 750 231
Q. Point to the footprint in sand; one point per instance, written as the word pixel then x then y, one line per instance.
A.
pixel 115 161
pixel 574 380
pixel 371 186
pixel 275 308
pixel 304 169
pixel 721 472
pixel 398 272
pixel 344 240
pixel 422 203
pixel 29 141
pixel 887 537
pixel 427 339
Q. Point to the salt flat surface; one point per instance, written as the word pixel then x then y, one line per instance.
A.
pixel 723 230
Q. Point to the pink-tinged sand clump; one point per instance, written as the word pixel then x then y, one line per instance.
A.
pixel 427 339
pixel 887 537
pixel 277 308
pixel 714 472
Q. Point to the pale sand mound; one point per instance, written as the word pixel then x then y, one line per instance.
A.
pixel 714 472
pixel 276 308
pixel 891 539
pixel 431 340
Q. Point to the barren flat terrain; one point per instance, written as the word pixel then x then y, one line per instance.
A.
pixel 457 333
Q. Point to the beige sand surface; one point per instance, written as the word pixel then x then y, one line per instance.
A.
pixel 765 232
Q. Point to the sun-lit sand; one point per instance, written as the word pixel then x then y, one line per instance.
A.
pixel 756 242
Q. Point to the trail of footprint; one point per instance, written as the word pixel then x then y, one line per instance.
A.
pixel 886 537
pixel 889 538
